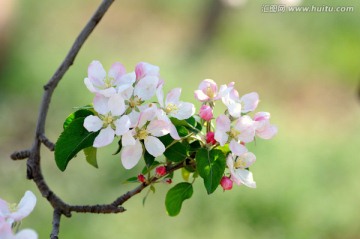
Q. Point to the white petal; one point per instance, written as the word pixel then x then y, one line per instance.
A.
pixel 250 102
pixel 201 96
pixel 105 137
pixel 93 123
pixel 96 73
pixel 248 158
pixel 26 234
pixel 158 128
pixel 122 125
pixel 126 91
pixel 234 109
pixel 173 132
pixel 160 95
pixel 146 115
pixel 134 118
pixel 128 139
pixel 173 96
pixel 146 87
pixel 116 71
pixel 267 132
pixel 185 111
pixel 101 104
pixel 131 154
pixel 237 148
pixel 154 146
pixel 89 85
pixel 221 137
pixel 25 206
pixel 128 79
pixel 116 105
pixel 245 177
pixel 107 92
pixel 4 208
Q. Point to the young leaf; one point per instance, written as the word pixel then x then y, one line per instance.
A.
pixel 77 114
pixel 149 159
pixel 185 174
pixel 132 180
pixel 73 139
pixel 211 167
pixel 90 155
pixel 176 196
pixel 176 152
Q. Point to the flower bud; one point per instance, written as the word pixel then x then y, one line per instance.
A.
pixel 141 178
pixel 168 180
pixel 160 171
pixel 210 138
pixel 206 112
pixel 226 183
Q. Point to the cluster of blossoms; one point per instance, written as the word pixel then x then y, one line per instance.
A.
pixel 124 107
pixel 234 128
pixel 11 216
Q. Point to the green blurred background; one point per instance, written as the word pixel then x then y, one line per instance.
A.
pixel 305 67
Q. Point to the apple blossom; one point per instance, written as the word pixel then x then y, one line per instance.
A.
pixel 206 112
pixel 100 83
pixel 144 69
pixel 14 213
pixel 210 138
pixel 147 130
pixel 208 91
pixel 237 166
pixel 263 128
pixel 160 171
pixel 109 120
pixel 6 232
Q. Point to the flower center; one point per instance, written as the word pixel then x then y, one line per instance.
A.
pixel 109 119
pixel 209 92
pixel 234 133
pixel 239 163
pixel 134 102
pixel 108 82
pixel 13 207
pixel 142 134
pixel 170 108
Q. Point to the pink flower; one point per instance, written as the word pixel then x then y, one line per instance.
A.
pixel 208 91
pixel 206 112
pixel 264 129
pixel 144 69
pixel 226 183
pixel 237 105
pixel 147 130
pixel 210 138
pixel 100 83
pixel 237 166
pixel 160 171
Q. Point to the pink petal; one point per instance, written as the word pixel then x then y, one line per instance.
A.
pixel 105 137
pixel 158 128
pixel 237 148
pixel 93 123
pixel 4 208
pixel 146 88
pixel 249 102
pixel 248 158
pixel 143 69
pixel 147 115
pixel 154 146
pixel 5 229
pixel 262 116
pixel 223 123
pixel 25 207
pixel 200 96
pixel 96 73
pixel 267 132
pixel 116 71
pixel 208 83
pixel 173 96
pixel 246 126
pixel 116 105
pixel 101 104
pixel 122 125
pixel 131 154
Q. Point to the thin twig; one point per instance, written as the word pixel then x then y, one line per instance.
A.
pixel 50 145
pixel 55 224
pixel 19 155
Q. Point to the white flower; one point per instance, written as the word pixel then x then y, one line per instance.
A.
pixel 147 130
pixel 237 165
pixel 14 213
pixel 108 121
pixel 6 232
pixel 263 128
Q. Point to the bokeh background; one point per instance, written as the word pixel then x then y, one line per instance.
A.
pixel 305 67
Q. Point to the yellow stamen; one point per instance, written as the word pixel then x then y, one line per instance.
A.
pixel 171 108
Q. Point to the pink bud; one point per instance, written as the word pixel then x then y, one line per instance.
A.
pixel 210 138
pixel 226 183
pixel 160 171
pixel 168 180
pixel 206 112
pixel 141 178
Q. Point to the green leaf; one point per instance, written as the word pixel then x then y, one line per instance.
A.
pixel 149 159
pixel 166 139
pixel 119 148
pixel 211 167
pixel 176 152
pixel 77 114
pixel 176 196
pixel 74 138
pixel 132 180
pixel 147 169
pixel 182 131
pixel 90 155
pixel 195 146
